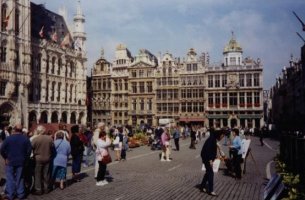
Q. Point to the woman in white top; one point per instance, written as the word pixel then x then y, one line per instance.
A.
pixel 102 150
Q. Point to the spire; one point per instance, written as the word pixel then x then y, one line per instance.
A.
pixel 79 9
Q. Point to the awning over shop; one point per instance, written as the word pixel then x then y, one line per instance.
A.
pixel 258 116
pixel 191 119
pixel 217 116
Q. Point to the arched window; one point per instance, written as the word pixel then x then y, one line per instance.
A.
pixel 59 66
pixel 53 65
pixel 17 16
pixel 39 58
pixel 53 91
pixel 48 64
pixel 4 20
pixel 3 51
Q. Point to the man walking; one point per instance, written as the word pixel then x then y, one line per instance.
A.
pixel 15 150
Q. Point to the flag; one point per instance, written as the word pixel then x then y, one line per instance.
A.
pixel 7 18
pixel 54 37
pixel 65 41
pixel 41 32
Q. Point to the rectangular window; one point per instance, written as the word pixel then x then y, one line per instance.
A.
pixel 142 104
pixel 224 80
pixel 211 100
pixel 189 93
pixel 134 104
pixel 256 79
pixel 149 87
pixel 217 100
pixel 201 93
pixel 233 99
pixel 134 87
pixel 232 61
pixel 210 81
pixel 241 80
pixel 195 93
pixel 217 81
pixel 183 94
pixel 249 80
pixel 195 107
pixel 142 87
pixel 195 67
pixel 256 99
pixel 249 99
pixel 242 99
pixel 134 74
pixel 3 54
pixel 183 107
pixel 189 107
pixel 2 88
pixel 201 107
pixel 189 67
pixel 141 73
pixel 224 100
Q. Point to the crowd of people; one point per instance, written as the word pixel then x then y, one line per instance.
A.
pixel 48 153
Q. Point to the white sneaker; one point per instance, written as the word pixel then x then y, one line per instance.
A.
pixel 99 183
pixel 168 160
pixel 105 182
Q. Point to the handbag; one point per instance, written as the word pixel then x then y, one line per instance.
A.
pixel 215 166
pixel 106 159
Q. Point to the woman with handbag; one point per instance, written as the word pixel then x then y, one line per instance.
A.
pixel 103 158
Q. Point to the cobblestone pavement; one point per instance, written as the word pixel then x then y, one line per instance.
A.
pixel 143 176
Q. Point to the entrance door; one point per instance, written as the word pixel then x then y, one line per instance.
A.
pixel 6 114
pixel 233 123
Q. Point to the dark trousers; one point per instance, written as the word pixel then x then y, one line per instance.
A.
pixel 177 144
pixel 236 162
pixel 42 176
pixel 208 177
pixel 76 163
pixel 123 154
pixel 101 171
pixel 14 181
pixel 192 146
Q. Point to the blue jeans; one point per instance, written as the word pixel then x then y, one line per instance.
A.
pixel 14 182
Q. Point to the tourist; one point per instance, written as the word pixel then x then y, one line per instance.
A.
pixel 14 162
pixel 235 151
pixel 165 139
pixel 63 150
pixel 77 149
pixel 42 152
pixel 102 150
pixel 176 136
pixel 208 155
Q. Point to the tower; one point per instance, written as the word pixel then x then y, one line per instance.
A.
pixel 79 34
pixel 232 53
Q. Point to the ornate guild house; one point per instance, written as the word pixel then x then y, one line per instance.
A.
pixel 146 88
pixel 42 69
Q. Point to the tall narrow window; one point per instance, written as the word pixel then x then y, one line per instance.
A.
pixel 233 99
pixel 4 20
pixel 224 100
pixel 217 81
pixel 2 88
pixel 224 80
pixel 256 79
pixel 17 16
pixel 241 80
pixel 249 80
pixel 210 81
pixel 3 51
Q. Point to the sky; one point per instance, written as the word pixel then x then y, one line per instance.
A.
pixel 265 29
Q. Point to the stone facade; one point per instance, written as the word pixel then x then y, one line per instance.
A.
pixel 42 73
pixel 189 90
